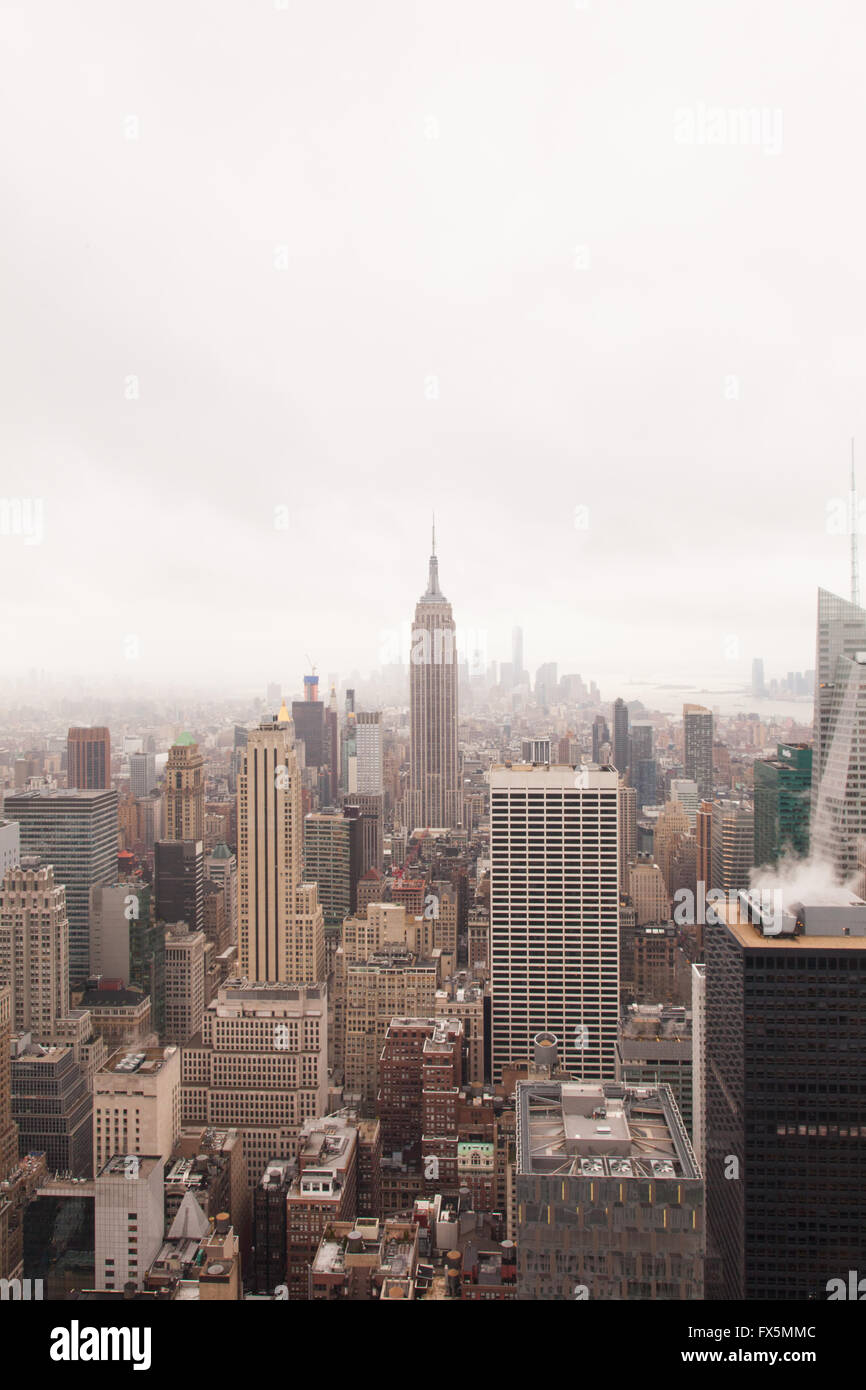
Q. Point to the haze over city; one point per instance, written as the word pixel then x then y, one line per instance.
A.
pixel 348 271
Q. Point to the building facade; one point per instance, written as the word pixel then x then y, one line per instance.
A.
pixel 281 931
pixel 88 759
pixel 75 832
pixel 785 1104
pixel 554 915
pixel 610 1200
pixel 260 1066
pixel 34 946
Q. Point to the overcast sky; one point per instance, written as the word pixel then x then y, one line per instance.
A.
pixel 277 279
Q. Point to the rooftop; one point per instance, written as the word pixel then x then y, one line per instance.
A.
pixel 131 1165
pixel 59 794
pixel 147 1061
pixel 666 1030
pixel 96 999
pixel 814 925
pixel 600 1129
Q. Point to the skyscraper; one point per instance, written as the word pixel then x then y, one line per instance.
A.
pixel 332 860
pixel 733 846
pixel 280 923
pixel 178 880
pixel 642 762
pixel 609 1197
pixel 261 1065
pixel 546 683
pixel 34 945
pixel 308 719
pixel 841 631
pixel 758 688
pixel 671 827
pixel 221 869
pixel 76 832
pixel 620 737
pixel 698 747
pixel 627 828
pixel 142 773
pixel 52 1106
pixel 184 983
pixel 332 746
pixel 839 820
pixel 136 1103
pixel 435 796
pixel 786 1113
pixel 88 758
pixel 368 747
pixel 554 915
pixel 839 759
pixel 184 791
pixel 600 736
pixel 782 794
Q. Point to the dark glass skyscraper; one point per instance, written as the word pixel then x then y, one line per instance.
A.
pixel 786 1100
pixel 642 762
pixel 178 878
pixel 620 737
pixel 782 795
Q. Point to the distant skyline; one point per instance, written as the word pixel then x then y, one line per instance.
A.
pixel 275 290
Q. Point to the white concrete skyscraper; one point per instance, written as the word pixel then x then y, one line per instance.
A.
pixel 281 933
pixel 368 745
pixel 554 915
pixel 435 796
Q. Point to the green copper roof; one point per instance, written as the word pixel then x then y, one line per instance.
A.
pixel 185 739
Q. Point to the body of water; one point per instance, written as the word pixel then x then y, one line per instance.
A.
pixel 725 696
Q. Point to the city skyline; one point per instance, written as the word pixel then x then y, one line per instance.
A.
pixel 433 680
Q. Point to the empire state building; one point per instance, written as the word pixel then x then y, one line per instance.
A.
pixel 435 798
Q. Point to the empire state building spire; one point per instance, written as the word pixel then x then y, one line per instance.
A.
pixel 433 591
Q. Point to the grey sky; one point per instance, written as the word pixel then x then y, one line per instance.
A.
pixel 491 195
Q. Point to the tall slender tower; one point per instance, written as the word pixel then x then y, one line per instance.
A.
pixel 698 747
pixel 620 737
pixel 281 932
pixel 184 791
pixel 435 796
